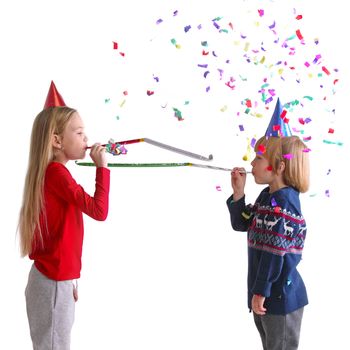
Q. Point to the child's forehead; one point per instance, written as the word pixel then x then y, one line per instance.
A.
pixel 76 121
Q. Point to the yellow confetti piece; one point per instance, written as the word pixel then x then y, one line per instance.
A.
pixel 122 103
pixel 223 109
pixel 280 71
pixel 246 47
pixel 262 60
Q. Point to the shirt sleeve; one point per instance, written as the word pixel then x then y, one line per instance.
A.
pixel 60 182
pixel 269 270
pixel 239 214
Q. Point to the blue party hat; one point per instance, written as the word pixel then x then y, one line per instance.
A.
pixel 278 126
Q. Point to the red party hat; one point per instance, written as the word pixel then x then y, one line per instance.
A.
pixel 53 99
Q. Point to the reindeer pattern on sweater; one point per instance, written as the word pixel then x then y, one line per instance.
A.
pixel 276 229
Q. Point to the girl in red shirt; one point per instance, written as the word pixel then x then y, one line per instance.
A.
pixel 51 220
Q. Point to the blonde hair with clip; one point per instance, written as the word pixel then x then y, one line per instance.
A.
pixel 293 153
pixel 49 122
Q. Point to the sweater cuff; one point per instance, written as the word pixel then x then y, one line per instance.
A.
pixel 230 200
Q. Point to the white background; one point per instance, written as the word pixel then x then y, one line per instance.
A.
pixel 165 270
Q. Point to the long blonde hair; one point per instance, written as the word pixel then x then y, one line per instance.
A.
pixel 294 153
pixel 48 122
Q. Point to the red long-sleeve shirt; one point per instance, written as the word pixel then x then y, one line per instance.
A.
pixel 65 202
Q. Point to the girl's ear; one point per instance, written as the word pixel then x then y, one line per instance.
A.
pixel 56 141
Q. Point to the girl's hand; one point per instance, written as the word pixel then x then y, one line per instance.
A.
pixel 98 155
pixel 258 304
pixel 238 179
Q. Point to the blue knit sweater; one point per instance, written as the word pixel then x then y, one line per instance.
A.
pixel 276 232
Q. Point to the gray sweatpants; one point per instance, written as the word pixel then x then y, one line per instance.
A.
pixel 50 310
pixel 279 332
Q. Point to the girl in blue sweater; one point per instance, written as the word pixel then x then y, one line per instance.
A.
pixel 276 232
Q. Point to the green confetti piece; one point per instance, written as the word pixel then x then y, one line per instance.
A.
pixel 309 97
pixel 291 37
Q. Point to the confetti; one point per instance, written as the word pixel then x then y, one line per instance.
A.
pixel 261 12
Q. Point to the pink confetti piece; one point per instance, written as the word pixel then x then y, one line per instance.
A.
pixel 299 17
pixel 330 131
pixel 283 114
pixel 299 35
pixel 326 70
pixel 287 156
pixel 261 12
pixel 261 148
pixel 316 59
pixel 218 188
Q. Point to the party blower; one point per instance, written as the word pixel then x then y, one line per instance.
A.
pixel 117 148
pixel 161 145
